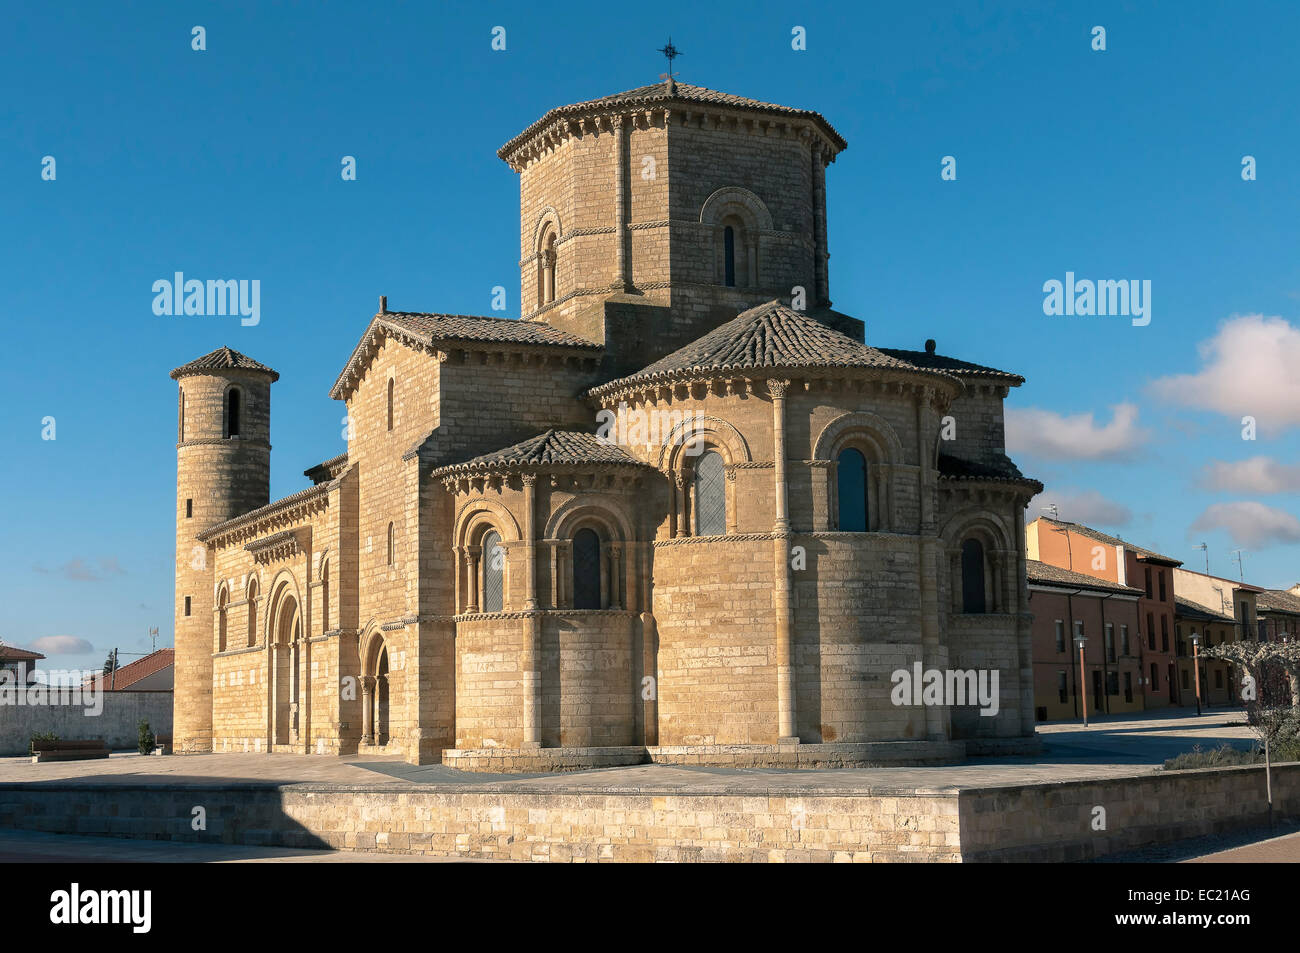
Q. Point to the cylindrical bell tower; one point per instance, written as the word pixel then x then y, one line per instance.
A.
pixel 223 469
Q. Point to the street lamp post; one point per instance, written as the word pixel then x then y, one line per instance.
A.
pixel 1083 679
pixel 1196 668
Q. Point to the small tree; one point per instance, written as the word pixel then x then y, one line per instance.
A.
pixel 1270 697
pixel 147 741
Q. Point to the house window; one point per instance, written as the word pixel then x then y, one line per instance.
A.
pixel 1185 685
pixel 1123 640
pixel 494 575
pixel 1148 579
pixel 232 412
pixel 1155 678
pixel 1078 631
pixel 391 385
pixel 189 509
pixel 187 605
pixel 1164 633
pixel 851 481
pixel 1162 587
pixel 392 545
pixel 1060 636
pixel 1110 647
pixel 1062 691
pixel 710 495
pixel 972 576
pixel 586 569
pixel 1112 683
pixel 1151 632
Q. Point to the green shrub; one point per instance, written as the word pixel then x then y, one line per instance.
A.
pixel 41 739
pixel 1224 756
pixel 147 740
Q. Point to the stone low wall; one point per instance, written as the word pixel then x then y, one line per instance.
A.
pixel 117 724
pixel 1039 822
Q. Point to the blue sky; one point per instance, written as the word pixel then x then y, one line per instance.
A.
pixel 225 163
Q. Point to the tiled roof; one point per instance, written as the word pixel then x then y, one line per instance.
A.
pixel 1002 471
pixel 136 671
pixel 10 653
pixel 429 328
pixel 670 92
pixel 462 327
pixel 222 359
pixel 1047 574
pixel 928 358
pixel 769 335
pixel 252 516
pixel 554 448
pixel 327 469
pixel 1195 612
pixel 1277 600
pixel 1113 541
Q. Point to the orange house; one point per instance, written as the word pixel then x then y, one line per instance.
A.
pixel 1083 549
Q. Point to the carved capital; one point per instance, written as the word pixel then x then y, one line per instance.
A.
pixel 777 388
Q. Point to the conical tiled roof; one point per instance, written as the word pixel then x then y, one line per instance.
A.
pixel 771 335
pixel 659 94
pixel 222 359
pixel 554 448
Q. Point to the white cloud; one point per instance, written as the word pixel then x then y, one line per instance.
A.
pixel 1256 475
pixel 1251 525
pixel 1044 433
pixel 1248 369
pixel 61 645
pixel 1087 506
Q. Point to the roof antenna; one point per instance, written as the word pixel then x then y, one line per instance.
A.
pixel 671 53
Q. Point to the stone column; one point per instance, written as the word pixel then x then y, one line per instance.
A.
pixel 532 688
pixel 367 709
pixel 619 124
pixel 822 293
pixel 471 604
pixel 933 654
pixel 781 593
pixel 615 552
pixel 1024 628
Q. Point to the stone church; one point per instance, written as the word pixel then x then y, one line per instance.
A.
pixel 487 580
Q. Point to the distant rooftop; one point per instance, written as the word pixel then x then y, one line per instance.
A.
pixel 670 91
pixel 222 359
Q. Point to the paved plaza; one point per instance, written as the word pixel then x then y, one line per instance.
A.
pixel 1109 747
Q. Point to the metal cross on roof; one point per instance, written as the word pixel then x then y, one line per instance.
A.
pixel 670 52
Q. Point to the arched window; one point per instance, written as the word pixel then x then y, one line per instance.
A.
pixel 972 576
pixel 546 260
pixel 729 256
pixel 494 565
pixel 586 569
pixel 222 599
pixel 252 611
pixel 390 403
pixel 710 495
pixel 232 412
pixel 392 545
pixel 325 597
pixel 851 480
